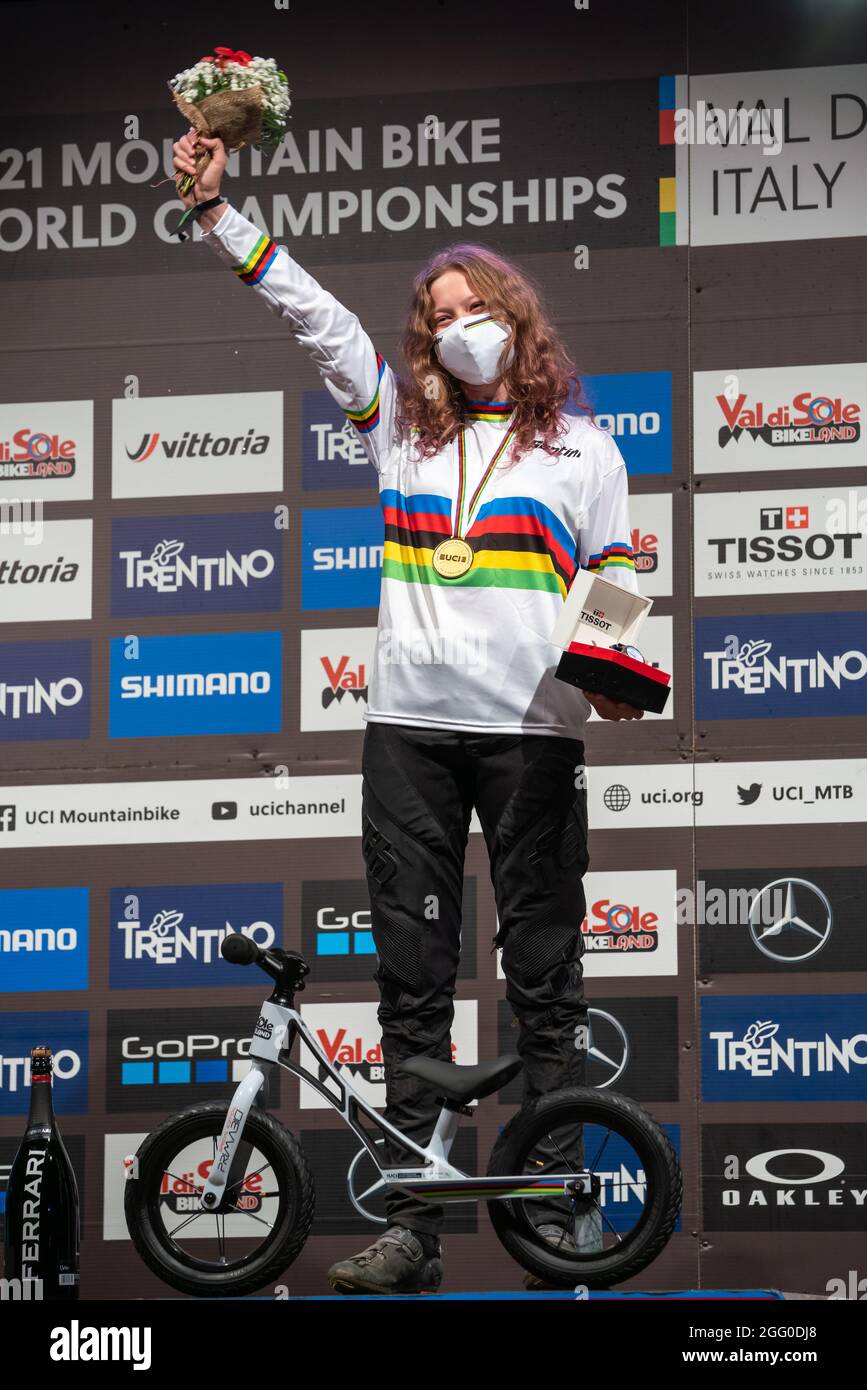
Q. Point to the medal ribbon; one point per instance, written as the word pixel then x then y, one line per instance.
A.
pixel 462 476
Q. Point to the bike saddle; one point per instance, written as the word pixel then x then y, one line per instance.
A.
pixel 459 1083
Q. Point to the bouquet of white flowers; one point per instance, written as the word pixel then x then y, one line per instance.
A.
pixel 241 99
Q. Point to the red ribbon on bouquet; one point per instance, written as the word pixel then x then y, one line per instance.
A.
pixel 228 55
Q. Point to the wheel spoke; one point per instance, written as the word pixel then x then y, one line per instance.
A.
pixel 194 1217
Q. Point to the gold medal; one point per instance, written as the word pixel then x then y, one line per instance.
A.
pixel 452 558
pixel 455 556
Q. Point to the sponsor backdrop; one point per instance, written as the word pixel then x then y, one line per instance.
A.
pixel 189 578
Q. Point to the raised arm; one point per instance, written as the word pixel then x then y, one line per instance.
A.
pixel 356 375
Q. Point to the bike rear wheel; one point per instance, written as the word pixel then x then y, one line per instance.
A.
pixel 260 1228
pixel 638 1188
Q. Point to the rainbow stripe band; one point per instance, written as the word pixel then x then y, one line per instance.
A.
pixel 487 318
pixel 518 543
pixel 367 419
pixel 489 410
pixel 616 555
pixel 258 262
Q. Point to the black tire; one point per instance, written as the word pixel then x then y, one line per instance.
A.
pixel 175 1266
pixel 584 1105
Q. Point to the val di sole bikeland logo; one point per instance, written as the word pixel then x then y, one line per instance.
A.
pixel 164 1059
pixel 783 1177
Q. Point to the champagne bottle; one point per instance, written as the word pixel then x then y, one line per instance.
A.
pixel 42 1213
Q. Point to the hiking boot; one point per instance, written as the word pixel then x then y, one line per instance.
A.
pixel 396 1263
pixel 589 1227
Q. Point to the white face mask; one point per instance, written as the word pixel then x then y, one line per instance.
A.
pixel 470 349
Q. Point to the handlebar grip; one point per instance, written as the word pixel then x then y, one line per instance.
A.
pixel 239 950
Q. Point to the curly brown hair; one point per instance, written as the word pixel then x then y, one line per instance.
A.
pixel 540 380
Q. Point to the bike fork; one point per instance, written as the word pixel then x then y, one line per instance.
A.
pixel 232 1152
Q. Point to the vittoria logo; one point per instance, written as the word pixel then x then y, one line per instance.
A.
pixel 191 444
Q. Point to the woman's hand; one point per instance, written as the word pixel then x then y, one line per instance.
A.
pixel 610 709
pixel 207 185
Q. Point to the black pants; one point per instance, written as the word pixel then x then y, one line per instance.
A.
pixel 418 790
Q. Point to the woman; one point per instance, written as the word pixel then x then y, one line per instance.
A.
pixel 492 498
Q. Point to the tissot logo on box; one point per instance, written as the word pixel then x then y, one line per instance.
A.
pixel 49 581
pixel 43 938
pixel 769 1047
pixel 46 451
pixel 784 1177
pixel 196 564
pixel 66 1034
pixel 174 446
pixel 170 935
pixel 44 690
pixel 342 557
pixel 157 1059
pixel 196 684
pixel 781 665
pixel 635 407
pixel 332 453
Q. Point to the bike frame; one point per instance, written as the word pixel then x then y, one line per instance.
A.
pixel 435 1179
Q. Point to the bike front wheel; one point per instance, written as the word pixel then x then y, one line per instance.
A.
pixel 261 1226
pixel 637 1183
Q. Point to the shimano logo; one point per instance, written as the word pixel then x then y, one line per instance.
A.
pixel 35 696
pixel 195 684
pixel 167 571
pixel 38 939
pixel 350 557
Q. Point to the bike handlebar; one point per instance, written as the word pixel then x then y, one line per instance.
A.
pixel 286 968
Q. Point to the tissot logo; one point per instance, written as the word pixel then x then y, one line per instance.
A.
pixel 160 1059
pixel 809 1179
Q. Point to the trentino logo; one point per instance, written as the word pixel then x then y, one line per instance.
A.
pixel 196 564
pixel 781 665
pixel 774 1047
pixel 342 557
pixel 44 690
pixel 196 684
pixel 43 938
pixel 170 935
pixel 635 407
pixel 66 1034
pixel 332 453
